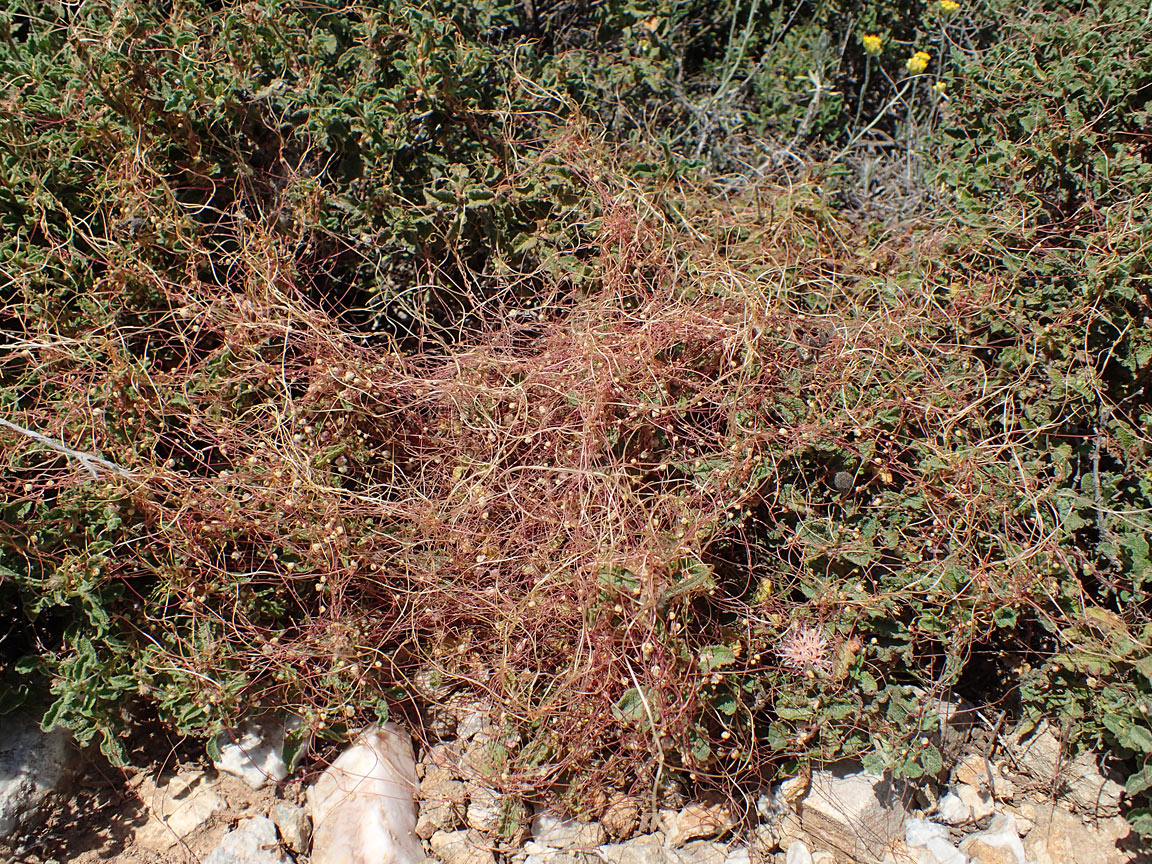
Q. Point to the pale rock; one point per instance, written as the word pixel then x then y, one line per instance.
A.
pixel 176 810
pixel 442 800
pixel 558 856
pixel 935 842
pixel 256 756
pixel 1023 825
pixel 797 853
pixel 1043 757
pixel 978 802
pixel 363 806
pixel 702 852
pixel 980 852
pixel 917 832
pixel 823 857
pixel 901 853
pixel 294 826
pixel 461 847
pixel 470 723
pixel 483 812
pixel 557 832
pixel 253 842
pixel 537 853
pixel 788 828
pixel 953 810
pixel 533 848
pixel 621 818
pixel 1059 837
pixel 972 770
pixel 442 756
pixel 647 849
pixel 998 844
pixel 33 764
pixel 738 855
pixel 851 812
pixel 433 816
pixel 764 842
pixel 789 793
pixel 493 813
pixel 696 820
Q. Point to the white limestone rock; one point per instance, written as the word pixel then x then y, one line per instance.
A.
pixel 256 755
pixel 999 844
pixel 461 847
pixel 254 842
pixel 294 825
pixel 647 849
pixel 363 806
pixel 953 810
pixel 934 840
pixel 33 764
pixel 176 809
pixel 852 812
pixel 1043 756
pixel 696 820
pixel 978 801
pixel 557 832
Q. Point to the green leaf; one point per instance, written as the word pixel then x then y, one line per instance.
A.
pixel 1144 667
pixel 297 742
pixel 932 761
pixel 1138 738
pixel 1141 822
pixel 1129 733
pixel 910 768
pixel 1005 616
pixel 630 708
pixel 12 698
pixel 840 710
pixel 874 762
pixel 381 711
pixel 802 712
pixel 726 704
pixel 700 749
pixel 1139 781
pixel 715 657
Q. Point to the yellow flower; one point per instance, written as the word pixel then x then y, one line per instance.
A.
pixel 918 62
pixel 948 6
pixel 940 87
pixel 872 44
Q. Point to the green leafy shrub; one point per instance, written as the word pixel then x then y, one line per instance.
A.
pixel 1045 161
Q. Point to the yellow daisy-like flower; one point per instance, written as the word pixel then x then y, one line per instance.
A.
pixel 940 88
pixel 872 44
pixel 918 62
pixel 949 6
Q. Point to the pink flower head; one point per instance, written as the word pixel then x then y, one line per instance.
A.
pixel 804 647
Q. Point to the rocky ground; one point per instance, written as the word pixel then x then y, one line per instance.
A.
pixel 1027 804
